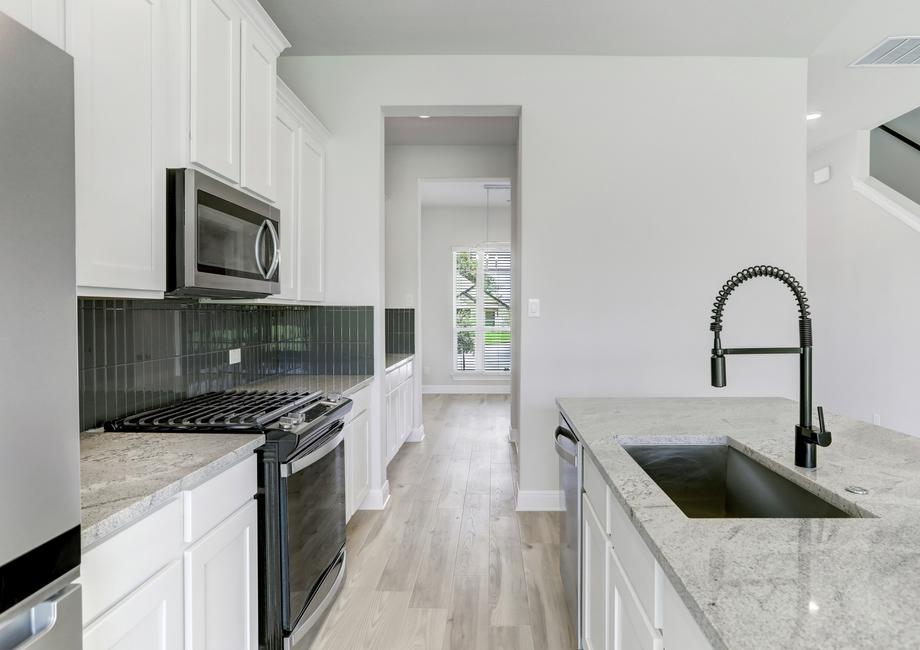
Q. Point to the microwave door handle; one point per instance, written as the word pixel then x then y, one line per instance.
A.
pixel 276 257
pixel 258 248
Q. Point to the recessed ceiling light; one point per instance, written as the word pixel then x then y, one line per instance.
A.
pixel 813 116
pixel 424 117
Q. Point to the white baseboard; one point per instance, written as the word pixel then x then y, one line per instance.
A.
pixel 377 499
pixel 418 435
pixel 467 389
pixel 540 501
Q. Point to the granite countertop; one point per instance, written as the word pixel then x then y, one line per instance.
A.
pixel 342 384
pixel 125 476
pixel 393 359
pixel 775 583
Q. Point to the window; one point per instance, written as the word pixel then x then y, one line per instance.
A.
pixel 482 310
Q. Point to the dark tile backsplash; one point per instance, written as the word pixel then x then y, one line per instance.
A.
pixel 399 331
pixel 141 354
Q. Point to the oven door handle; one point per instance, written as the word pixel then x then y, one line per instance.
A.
pixel 337 433
pixel 258 248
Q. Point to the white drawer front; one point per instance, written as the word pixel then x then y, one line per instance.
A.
pixel 117 566
pixel 210 503
pixel 634 554
pixel 361 401
pixel 596 489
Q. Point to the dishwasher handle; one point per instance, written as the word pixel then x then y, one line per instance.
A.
pixel 564 453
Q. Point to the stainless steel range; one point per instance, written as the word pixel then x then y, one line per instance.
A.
pixel 301 495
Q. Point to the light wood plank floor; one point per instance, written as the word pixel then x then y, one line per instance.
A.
pixel 450 565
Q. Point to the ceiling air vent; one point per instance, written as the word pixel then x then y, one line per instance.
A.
pixel 896 50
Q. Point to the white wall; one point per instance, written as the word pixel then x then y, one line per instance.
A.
pixel 644 183
pixel 895 163
pixel 443 228
pixel 405 165
pixel 863 270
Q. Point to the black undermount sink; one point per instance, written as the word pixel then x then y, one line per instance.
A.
pixel 717 481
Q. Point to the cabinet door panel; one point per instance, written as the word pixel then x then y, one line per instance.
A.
pixel 594 579
pixel 257 91
pixel 150 618
pixel 215 87
pixel 221 585
pixel 119 136
pixel 286 186
pixel 311 206
pixel 631 628
pixel 357 444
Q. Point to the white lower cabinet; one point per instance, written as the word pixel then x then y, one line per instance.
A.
pixel 400 406
pixel 149 618
pixel 594 602
pixel 357 461
pixel 221 586
pixel 185 577
pixel 627 602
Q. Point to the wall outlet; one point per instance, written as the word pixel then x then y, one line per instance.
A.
pixel 533 307
pixel 822 175
pixel 235 356
pixel 876 419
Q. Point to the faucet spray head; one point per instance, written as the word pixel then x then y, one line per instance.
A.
pixel 717 369
pixel 717 363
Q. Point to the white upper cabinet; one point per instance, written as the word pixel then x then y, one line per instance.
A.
pixel 259 71
pixel 312 214
pixel 299 184
pixel 47 18
pixel 119 116
pixel 215 87
pixel 225 70
pixel 287 140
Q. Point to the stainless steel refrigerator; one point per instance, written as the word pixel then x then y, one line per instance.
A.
pixel 39 438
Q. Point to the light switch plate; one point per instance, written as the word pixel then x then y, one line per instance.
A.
pixel 235 356
pixel 533 307
pixel 822 175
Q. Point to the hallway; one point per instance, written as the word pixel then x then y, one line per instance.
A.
pixel 449 564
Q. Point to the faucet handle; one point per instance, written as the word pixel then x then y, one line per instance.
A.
pixel 822 435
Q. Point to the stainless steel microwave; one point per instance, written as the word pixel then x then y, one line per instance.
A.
pixel 220 242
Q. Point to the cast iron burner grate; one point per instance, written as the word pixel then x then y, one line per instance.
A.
pixel 226 411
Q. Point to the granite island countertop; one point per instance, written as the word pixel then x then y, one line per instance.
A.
pixel 394 359
pixel 775 583
pixel 125 476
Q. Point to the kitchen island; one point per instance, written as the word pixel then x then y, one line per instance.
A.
pixel 772 583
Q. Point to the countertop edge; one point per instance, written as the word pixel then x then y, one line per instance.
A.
pixel 696 611
pixel 394 366
pixel 93 535
pixel 361 385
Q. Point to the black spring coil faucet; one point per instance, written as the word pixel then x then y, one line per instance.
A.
pixel 807 437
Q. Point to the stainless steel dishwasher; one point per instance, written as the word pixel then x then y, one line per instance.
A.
pixel 569 450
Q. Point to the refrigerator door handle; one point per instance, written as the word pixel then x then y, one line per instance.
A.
pixel 37 627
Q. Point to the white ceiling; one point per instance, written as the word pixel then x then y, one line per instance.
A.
pixel 861 98
pixel 451 130
pixel 617 27
pixel 464 193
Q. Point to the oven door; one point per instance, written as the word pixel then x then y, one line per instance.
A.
pixel 230 242
pixel 313 524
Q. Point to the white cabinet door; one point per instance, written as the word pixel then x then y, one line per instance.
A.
pixel 150 618
pixel 119 138
pixel 258 65
pixel 594 580
pixel 358 461
pixel 392 406
pixel 630 627
pixel 215 87
pixel 221 585
pixel 287 137
pixel 312 214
